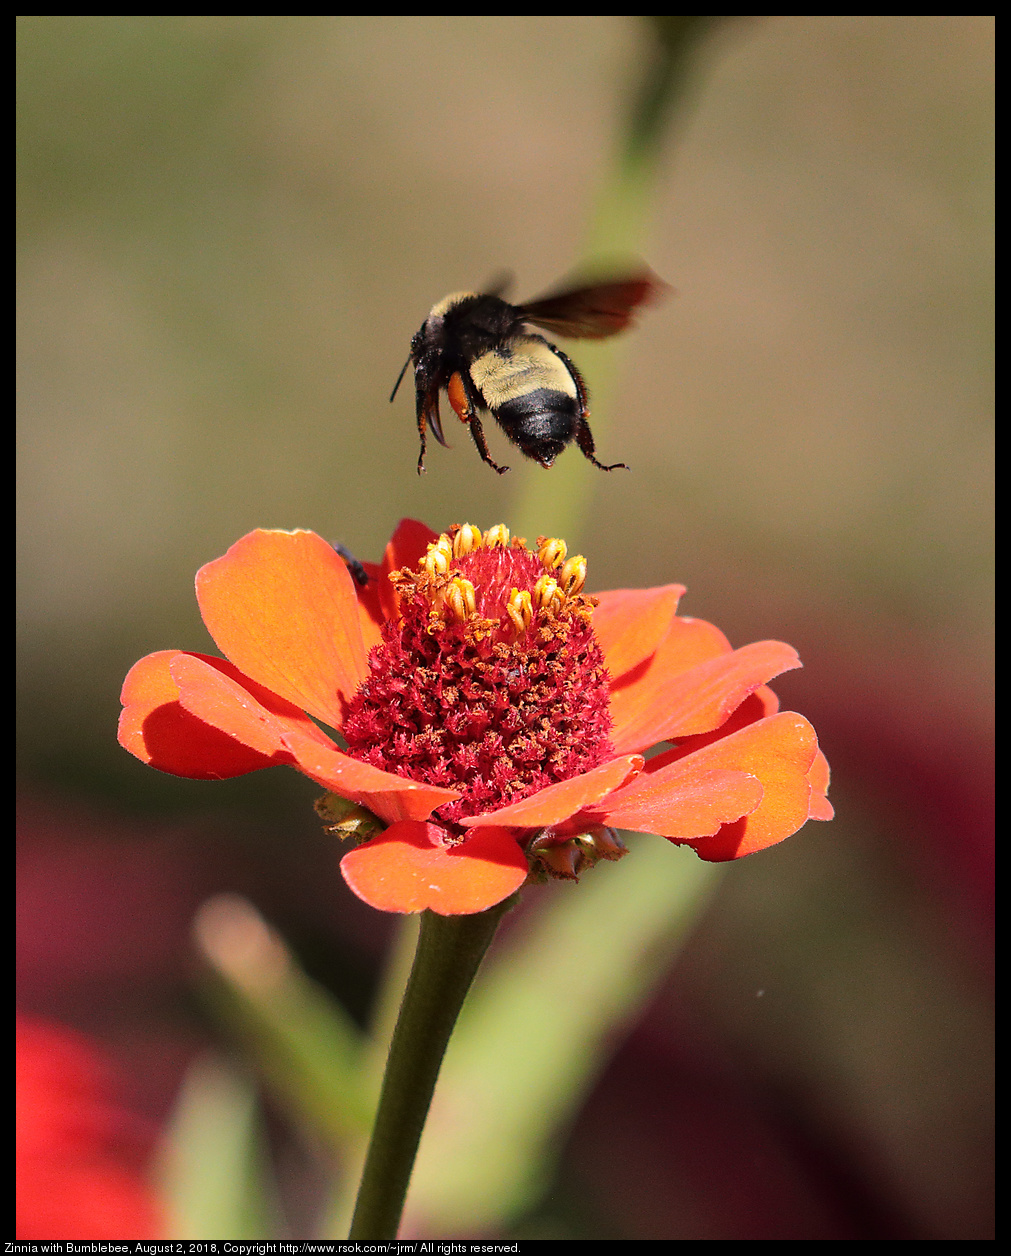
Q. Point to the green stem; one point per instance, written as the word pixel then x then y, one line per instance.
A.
pixel 450 949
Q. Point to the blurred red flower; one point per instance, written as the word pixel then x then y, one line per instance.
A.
pixel 494 716
pixel 77 1174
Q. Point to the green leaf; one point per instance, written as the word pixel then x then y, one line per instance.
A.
pixel 307 1048
pixel 214 1177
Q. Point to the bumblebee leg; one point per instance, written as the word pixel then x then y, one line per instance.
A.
pixel 428 415
pixel 583 435
pixel 581 394
pixel 584 439
pixel 422 401
pixel 460 400
pixel 477 431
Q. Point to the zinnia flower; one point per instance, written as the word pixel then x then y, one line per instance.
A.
pixel 495 717
pixel 77 1175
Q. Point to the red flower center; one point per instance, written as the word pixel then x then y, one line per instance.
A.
pixel 491 682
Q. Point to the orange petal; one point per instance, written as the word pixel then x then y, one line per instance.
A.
pixel 370 611
pixel 260 720
pixel 688 642
pixel 391 797
pixel 695 701
pixel 148 684
pixel 819 774
pixel 156 728
pixel 406 548
pixel 556 803
pixel 821 808
pixel 233 704
pixel 780 751
pixel 409 869
pixel 756 706
pixel 687 803
pixel 282 607
pixel 629 624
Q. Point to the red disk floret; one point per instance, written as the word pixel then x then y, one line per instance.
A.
pixel 476 705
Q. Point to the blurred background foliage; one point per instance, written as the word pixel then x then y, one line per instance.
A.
pixel 229 228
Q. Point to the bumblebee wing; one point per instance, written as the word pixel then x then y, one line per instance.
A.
pixel 595 312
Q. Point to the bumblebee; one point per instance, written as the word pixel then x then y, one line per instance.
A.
pixel 477 348
pixel 357 570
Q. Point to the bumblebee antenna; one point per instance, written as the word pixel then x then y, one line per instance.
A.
pixel 399 378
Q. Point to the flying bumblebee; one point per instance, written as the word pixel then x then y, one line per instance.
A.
pixel 477 348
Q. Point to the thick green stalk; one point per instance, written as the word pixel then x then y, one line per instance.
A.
pixel 450 949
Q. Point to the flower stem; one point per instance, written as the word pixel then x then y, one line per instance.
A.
pixel 450 949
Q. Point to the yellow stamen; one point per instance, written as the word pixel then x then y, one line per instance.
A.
pixel 461 598
pixel 520 609
pixel 497 536
pixel 438 557
pixel 548 595
pixel 551 551
pixel 572 577
pixel 467 539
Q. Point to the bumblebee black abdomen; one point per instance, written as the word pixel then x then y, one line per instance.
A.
pixel 543 412
pixel 541 423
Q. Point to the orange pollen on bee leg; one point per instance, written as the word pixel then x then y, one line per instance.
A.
pixel 458 397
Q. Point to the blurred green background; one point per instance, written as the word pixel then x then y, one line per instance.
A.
pixel 229 228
